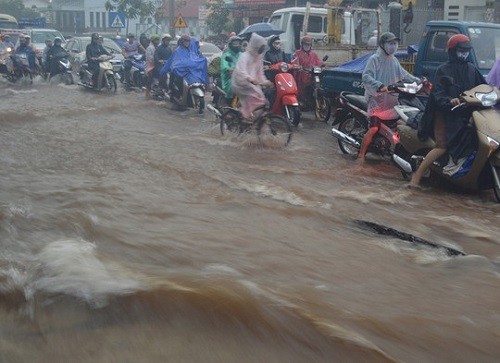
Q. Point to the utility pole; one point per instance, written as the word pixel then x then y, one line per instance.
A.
pixel 171 9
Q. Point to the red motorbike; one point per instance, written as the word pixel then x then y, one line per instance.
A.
pixel 286 103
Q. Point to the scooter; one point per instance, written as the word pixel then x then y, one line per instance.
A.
pixel 353 123
pixel 285 103
pixel 5 53
pixel 20 69
pixel 314 98
pixel 192 95
pixel 481 169
pixel 63 67
pixel 137 71
pixel 106 78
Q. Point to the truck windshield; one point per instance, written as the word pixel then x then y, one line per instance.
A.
pixel 486 44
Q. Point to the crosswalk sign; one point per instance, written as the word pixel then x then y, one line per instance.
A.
pixel 180 22
pixel 116 19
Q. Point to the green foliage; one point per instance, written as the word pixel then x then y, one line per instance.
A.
pixel 218 16
pixel 17 9
pixel 133 9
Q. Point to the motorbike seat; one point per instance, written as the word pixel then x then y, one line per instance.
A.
pixel 357 100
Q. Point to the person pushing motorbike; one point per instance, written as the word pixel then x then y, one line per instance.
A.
pixel 382 69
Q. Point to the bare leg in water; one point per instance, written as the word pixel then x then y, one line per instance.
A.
pixel 431 157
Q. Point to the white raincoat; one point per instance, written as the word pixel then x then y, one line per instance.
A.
pixel 250 66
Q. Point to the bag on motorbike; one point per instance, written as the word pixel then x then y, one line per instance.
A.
pixel 214 67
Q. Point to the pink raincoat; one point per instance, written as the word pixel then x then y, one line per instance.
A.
pixel 250 65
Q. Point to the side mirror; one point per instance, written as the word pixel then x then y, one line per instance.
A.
pixel 325 58
pixel 447 81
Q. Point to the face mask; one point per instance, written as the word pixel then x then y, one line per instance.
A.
pixel 277 46
pixel 307 47
pixel 462 55
pixel 391 48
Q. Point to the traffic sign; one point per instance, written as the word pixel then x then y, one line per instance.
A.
pixel 116 19
pixel 180 22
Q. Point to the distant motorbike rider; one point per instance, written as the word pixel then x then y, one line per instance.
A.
pixel 6 42
pixel 93 51
pixel 450 130
pixel 272 56
pixel 305 57
pixel 25 48
pixel 45 60
pixel 162 53
pixel 227 64
pixel 54 54
pixel 130 48
pixel 186 63
pixel 151 72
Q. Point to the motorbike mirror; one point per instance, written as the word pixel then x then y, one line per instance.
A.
pixel 446 81
pixel 325 58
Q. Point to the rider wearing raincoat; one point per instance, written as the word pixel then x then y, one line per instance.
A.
pixel 186 63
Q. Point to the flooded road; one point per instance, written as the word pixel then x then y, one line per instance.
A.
pixel 131 232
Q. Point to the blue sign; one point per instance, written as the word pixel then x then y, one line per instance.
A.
pixel 35 23
pixel 116 19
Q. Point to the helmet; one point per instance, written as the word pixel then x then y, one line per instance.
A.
pixel 166 35
pixel 130 35
pixel 232 34
pixel 154 38
pixel 387 37
pixel 26 36
pixel 95 36
pixel 459 41
pixel 272 39
pixel 306 39
pixel 234 43
pixel 185 37
pixel 57 39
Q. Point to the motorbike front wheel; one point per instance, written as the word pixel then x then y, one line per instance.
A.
pixel 68 78
pixel 230 121
pixel 496 186
pixel 110 83
pixel 199 103
pixel 292 115
pixel 354 128
pixel 274 127
pixel 322 109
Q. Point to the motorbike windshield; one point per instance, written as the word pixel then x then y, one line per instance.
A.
pixel 188 63
pixel 486 44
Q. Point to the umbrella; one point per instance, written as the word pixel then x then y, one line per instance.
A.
pixel 263 29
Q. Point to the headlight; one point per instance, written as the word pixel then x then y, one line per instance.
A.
pixel 284 67
pixel 492 145
pixel 317 70
pixel 487 99
pixel 9 50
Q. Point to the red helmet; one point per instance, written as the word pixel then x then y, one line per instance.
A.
pixel 306 39
pixel 458 41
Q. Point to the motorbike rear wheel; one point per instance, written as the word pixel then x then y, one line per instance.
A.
pixel 110 83
pixel 322 109
pixel 230 121
pixel 274 127
pixel 355 129
pixel 496 186
pixel 292 115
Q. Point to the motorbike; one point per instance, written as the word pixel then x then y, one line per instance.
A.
pixel 5 53
pixel 315 98
pixel 286 103
pixel 106 78
pixel 192 95
pixel 20 69
pixel 63 67
pixel 137 71
pixel 481 169
pixel 353 122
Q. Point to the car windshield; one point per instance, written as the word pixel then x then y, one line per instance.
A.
pixel 42 36
pixel 486 44
pixel 209 48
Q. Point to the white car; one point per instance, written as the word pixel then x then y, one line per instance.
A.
pixel 39 36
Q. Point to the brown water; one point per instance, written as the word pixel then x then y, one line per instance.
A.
pixel 132 233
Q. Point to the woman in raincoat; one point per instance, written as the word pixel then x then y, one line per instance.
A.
pixel 248 76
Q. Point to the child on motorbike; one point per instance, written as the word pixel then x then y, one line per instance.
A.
pixel 382 70
pixel 439 121
pixel 248 76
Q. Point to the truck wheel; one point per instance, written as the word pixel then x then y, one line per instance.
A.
pixel 354 128
pixel 323 109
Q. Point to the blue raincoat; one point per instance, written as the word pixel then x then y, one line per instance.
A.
pixel 188 63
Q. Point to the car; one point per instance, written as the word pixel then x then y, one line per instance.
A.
pixel 39 36
pixel 76 47
pixel 210 51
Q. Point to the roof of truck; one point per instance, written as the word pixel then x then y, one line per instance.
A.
pixel 461 23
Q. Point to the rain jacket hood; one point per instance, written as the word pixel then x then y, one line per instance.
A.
pixel 256 41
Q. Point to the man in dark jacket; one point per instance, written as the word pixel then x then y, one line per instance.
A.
pixel 453 78
pixel 55 53
pixel 93 51
pixel 273 55
pixel 162 54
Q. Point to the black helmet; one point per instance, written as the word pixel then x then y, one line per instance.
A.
pixel 272 39
pixel 387 37
pixel 94 36
pixel 234 43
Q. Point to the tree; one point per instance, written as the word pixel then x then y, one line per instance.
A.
pixel 218 16
pixel 132 9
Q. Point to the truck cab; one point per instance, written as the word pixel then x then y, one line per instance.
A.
pixel 432 52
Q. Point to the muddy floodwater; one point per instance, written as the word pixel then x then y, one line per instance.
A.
pixel 133 233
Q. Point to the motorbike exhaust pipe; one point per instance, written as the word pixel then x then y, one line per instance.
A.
pixel 214 110
pixel 341 136
pixel 402 164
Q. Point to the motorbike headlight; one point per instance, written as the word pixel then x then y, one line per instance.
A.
pixel 8 50
pixel 317 70
pixel 284 67
pixel 487 99
pixel 492 145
